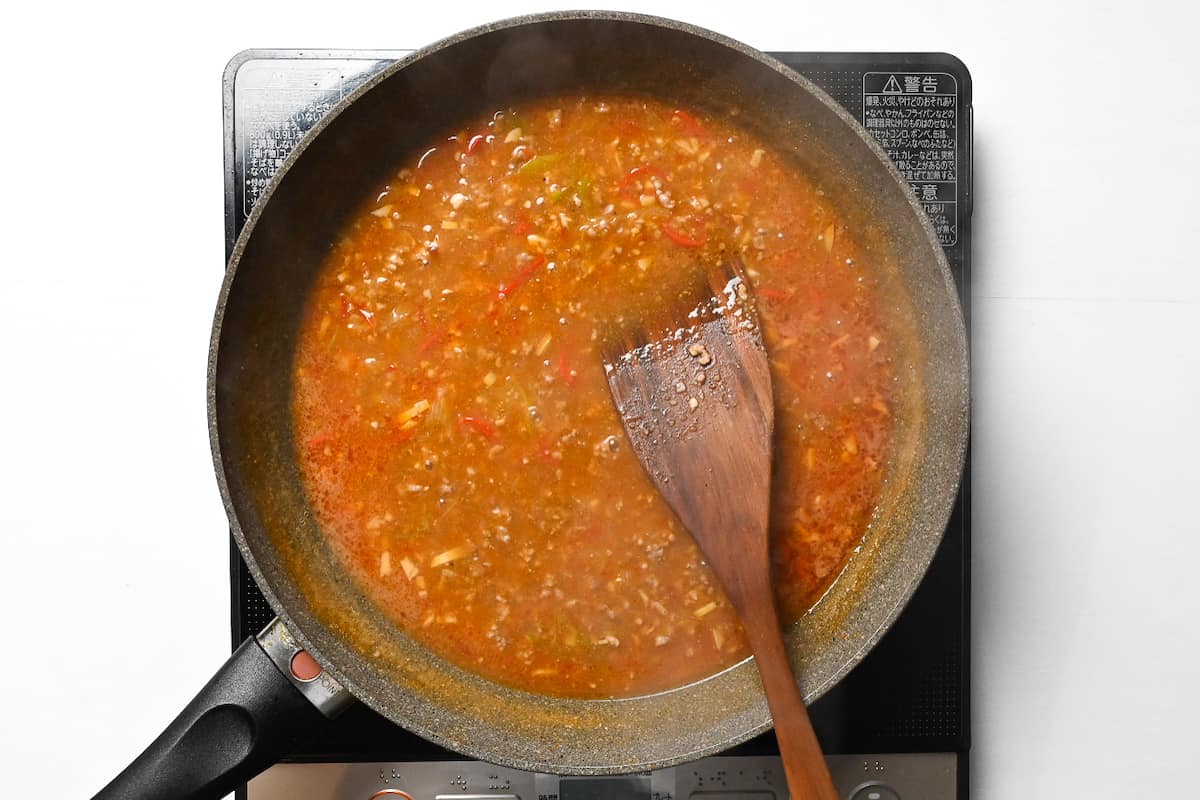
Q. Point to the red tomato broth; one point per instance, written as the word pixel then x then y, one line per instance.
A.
pixel 455 433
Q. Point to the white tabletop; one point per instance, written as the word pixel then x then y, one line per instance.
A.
pixel 115 594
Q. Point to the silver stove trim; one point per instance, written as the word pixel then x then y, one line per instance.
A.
pixel 909 776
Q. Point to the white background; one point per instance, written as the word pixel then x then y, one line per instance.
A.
pixel 114 597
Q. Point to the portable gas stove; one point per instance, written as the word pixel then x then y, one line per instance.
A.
pixel 898 726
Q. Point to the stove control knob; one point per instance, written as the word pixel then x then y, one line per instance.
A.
pixel 875 791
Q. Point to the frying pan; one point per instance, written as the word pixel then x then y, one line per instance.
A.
pixel 328 645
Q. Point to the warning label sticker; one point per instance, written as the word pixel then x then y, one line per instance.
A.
pixel 276 102
pixel 914 117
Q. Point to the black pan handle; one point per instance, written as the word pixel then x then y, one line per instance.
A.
pixel 267 696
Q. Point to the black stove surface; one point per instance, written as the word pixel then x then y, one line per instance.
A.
pixel 911 693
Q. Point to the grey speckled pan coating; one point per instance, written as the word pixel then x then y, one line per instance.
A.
pixel 282 246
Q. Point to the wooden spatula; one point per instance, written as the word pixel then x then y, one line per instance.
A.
pixel 694 394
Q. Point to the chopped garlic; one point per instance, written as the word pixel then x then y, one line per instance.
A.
pixel 419 407
pixel 385 564
pixel 705 610
pixel 410 569
pixel 513 135
pixel 756 159
pixel 382 211
pixel 457 199
pixel 453 554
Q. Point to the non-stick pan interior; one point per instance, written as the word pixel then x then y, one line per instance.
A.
pixel 289 234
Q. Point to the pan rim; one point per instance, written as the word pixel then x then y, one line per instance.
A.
pixel 414 723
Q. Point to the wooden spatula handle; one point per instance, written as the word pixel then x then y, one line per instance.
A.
pixel 808 775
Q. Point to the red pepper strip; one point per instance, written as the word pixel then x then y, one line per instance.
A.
pixel 429 342
pixel 770 294
pixel 690 123
pixel 526 272
pixel 564 369
pixel 634 179
pixel 544 452
pixel 681 239
pixel 522 228
pixel 475 141
pixel 350 307
pixel 479 425
pixel 319 441
pixel 629 127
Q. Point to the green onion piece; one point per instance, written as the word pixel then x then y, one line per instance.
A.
pixel 539 164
